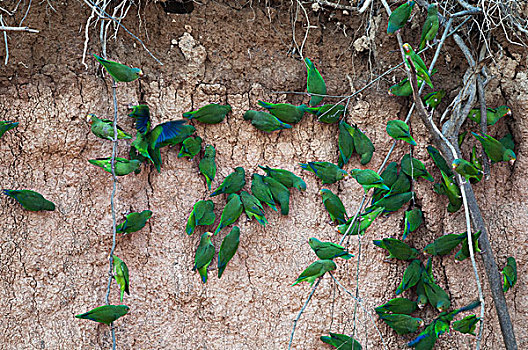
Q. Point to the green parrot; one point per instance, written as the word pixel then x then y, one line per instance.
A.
pixel 105 314
pixel 231 212
pixel 191 146
pixel 445 244
pixel 122 166
pixel 261 191
pixel 389 176
pixel 121 276
pixel 418 63
pixel 253 208
pixel 141 114
pixel 30 200
pixel 201 215
pixel 134 222
pixel 285 177
pixel 397 306
pixel 433 99
pixel 421 296
pixel 495 150
pixel 316 270
pixel 265 121
pixel 118 71
pixel 507 141
pixel 467 170
pixel 328 250
pixel 204 255
pixel 399 17
pixel 411 276
pixel 492 114
pixel 363 146
pixel 437 297
pixel 413 219
pixel 315 83
pixel 463 253
pixel 279 192
pixel 393 202
pixel 475 159
pixel 345 143
pixel 212 113
pixel 104 128
pixel 397 249
pixel 425 340
pixel 334 206
pixel 430 28
pixel 233 182
pixel 401 185
pixel 285 112
pixel 439 160
pixel 368 179
pixel 452 191
pixel 361 225
pixel 509 274
pixel 404 89
pixel 326 171
pixel 467 325
pixel 417 170
pixel 6 126
pixel 341 341
pixel 402 324
pixel 228 249
pixel 207 165
pixel 328 114
pixel 399 130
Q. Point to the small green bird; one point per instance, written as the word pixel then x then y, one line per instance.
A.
pixel 345 143
pixel 363 146
pixel 253 208
pixel 421 297
pixel 402 324
pixel 397 306
pixel 467 170
pixel 118 71
pixel 328 250
pixel 316 270
pixel 430 28
pixel 360 226
pixel 439 160
pixel 418 63
pixel 426 339
pixel 445 244
pixel 464 253
pixel 204 255
pixel 433 99
pixel 228 249
pixel 411 276
pixel 285 112
pixel 280 193
pixel 413 220
pixel 201 215
pixel 416 170
pixel 452 191
pixel 399 130
pixel 105 314
pixel 404 89
pixel 509 274
pixel 122 166
pixel 341 341
pixel 141 114
pixel 104 128
pixel 397 249
pixel 207 165
pixel 467 325
pixel 492 114
pixel 6 126
pixel 315 83
pixel 392 203
pixel 326 171
pixel 401 185
pixel 399 17
pixel 437 297
pixel 265 121
pixel 389 176
pixel 328 114
pixel 285 177
pixel 121 276
pixel 233 182
pixel 212 113
pixel 191 146
pixel 261 191
pixel 231 212
pixel 495 150
pixel 368 179
pixel 507 141
pixel 134 222
pixel 30 200
pixel 334 206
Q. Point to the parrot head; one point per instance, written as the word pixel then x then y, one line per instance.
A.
pixel 138 71
pixel 456 163
pixel 510 156
pixel 407 48
pixel 91 118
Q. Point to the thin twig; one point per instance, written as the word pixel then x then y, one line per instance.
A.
pixel 5 39
pixel 302 310
pixel 25 14
pixel 4 29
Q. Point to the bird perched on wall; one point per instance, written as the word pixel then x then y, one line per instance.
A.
pixel 134 222
pixel 105 314
pixel 315 270
pixel 118 71
pixel 285 112
pixel 207 165
pixel 228 249
pixel 104 128
pixel 120 271
pixel 233 182
pixel 315 83
pixel 265 121
pixel 212 113
pixel 30 200
pixel 122 166
pixel 204 255
pixel 326 171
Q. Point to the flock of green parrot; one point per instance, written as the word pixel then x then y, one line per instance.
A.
pixel 392 189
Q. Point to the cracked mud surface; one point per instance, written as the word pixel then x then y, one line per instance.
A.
pixel 54 265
